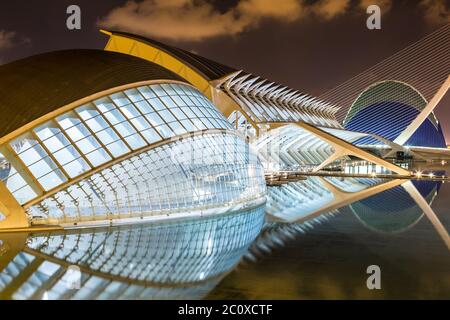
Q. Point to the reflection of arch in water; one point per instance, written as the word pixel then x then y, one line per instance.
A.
pixel 175 260
pixel 393 210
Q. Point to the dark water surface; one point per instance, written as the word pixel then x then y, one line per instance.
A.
pixel 295 252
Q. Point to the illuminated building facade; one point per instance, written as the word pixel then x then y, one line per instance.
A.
pixel 143 130
pixel 120 139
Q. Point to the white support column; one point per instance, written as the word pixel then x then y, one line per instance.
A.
pixel 338 153
pixel 413 126
pixel 349 149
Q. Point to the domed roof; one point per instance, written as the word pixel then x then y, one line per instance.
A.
pixel 31 88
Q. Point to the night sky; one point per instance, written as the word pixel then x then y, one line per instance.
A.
pixel 308 45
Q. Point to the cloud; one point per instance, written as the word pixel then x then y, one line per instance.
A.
pixel 328 9
pixel 194 20
pixel 10 39
pixel 435 11
pixel 7 39
pixel 174 19
pixel 385 5
pixel 287 10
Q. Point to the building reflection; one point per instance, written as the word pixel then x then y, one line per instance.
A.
pixel 186 259
pixel 394 210
pixel 393 206
pixel 175 260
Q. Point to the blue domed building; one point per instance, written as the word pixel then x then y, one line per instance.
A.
pixel 386 109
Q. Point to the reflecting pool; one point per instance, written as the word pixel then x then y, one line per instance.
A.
pixel 314 239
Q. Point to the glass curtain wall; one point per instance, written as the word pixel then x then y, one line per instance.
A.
pixel 199 172
pixel 103 130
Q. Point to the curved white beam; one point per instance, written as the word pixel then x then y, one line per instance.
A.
pixel 413 126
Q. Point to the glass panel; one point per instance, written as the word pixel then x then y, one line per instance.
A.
pixel 177 128
pixel 5 168
pixel 135 141
pixel 168 102
pixel 118 148
pixel 140 123
pixel 167 116
pixel 198 124
pixel 188 125
pixel 78 132
pixel 168 88
pixel 42 167
pixel 154 119
pixel 52 179
pixel 178 89
pixel 23 143
pixel 33 155
pixel 187 100
pixel 157 104
pixel 24 195
pixel 165 131
pixel 76 167
pixel 207 123
pixel 107 136
pixel 87 111
pixel 188 112
pixel 68 120
pixel 198 112
pixel 97 124
pixel 15 182
pixel 151 136
pixel 114 116
pixel 104 104
pixel 179 114
pixel 180 102
pixel 144 107
pixel 98 157
pixel 56 142
pixel 88 144
pixel 130 111
pixel 125 129
pixel 66 155
pixel 46 131
pixel 134 95
pixel 158 90
pixel 146 92
pixel 120 99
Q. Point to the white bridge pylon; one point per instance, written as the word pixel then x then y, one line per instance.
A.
pixel 415 124
pixel 428 211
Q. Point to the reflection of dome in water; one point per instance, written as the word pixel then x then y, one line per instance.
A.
pixel 173 260
pixel 393 210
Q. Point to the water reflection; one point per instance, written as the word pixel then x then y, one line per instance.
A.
pixel 394 210
pixel 380 205
pixel 177 260
pixel 310 255
pixel 189 259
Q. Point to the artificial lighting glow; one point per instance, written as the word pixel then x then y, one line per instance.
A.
pixel 374 174
pixel 419 174
pixel 431 175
